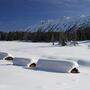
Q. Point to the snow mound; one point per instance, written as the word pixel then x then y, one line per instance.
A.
pixel 85 63
pixel 3 55
pixel 89 46
pixel 56 65
pixel 21 61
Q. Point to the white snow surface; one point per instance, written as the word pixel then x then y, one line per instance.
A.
pixel 14 77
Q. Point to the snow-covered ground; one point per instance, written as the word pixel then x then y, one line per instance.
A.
pixel 19 78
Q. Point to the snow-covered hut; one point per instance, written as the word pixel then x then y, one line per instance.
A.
pixel 3 55
pixel 62 66
pixel 21 61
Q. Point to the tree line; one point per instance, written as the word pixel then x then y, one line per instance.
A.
pixel 72 33
pixel 41 36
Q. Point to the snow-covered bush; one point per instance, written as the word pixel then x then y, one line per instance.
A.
pixel 72 43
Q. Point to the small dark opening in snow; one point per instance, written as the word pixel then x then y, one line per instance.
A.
pixel 9 58
pixel 32 65
pixel 75 70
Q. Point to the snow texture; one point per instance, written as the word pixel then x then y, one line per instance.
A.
pixel 13 77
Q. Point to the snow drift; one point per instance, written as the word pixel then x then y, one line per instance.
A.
pixel 85 63
pixel 21 61
pixel 56 65
pixel 3 55
pixel 88 46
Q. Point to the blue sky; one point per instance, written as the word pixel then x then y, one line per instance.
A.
pixel 19 14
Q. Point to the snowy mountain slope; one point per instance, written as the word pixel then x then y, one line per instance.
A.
pixel 64 24
pixel 18 14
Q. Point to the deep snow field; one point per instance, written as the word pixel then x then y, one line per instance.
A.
pixel 19 78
